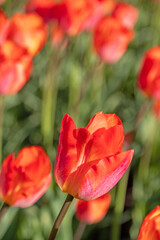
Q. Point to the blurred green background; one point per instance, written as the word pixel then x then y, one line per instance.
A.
pixel 74 81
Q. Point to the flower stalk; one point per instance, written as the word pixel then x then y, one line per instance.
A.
pixel 60 217
pixel 79 231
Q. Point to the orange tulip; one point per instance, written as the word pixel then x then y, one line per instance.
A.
pixel 150 228
pixel 93 211
pixel 126 14
pixel 90 160
pixel 24 179
pixel 15 68
pixel 111 39
pixel 29 31
pixel 149 76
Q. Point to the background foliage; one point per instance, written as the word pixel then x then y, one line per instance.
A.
pixel 81 85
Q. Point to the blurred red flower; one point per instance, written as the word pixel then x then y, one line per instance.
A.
pixel 111 39
pixel 149 76
pixel 24 179
pixel 90 160
pixel 4 26
pixel 15 67
pixel 44 8
pixel 93 211
pixel 101 8
pixel 126 14
pixel 156 108
pixel 57 35
pixel 2 1
pixel 73 15
pixel 150 228
pixel 29 31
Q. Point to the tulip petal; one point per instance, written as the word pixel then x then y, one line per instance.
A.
pixel 31 199
pixel 31 157
pixel 96 178
pixel 105 143
pixel 101 120
pixel 66 153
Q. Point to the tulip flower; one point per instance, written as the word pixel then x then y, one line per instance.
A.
pixel 4 26
pixel 2 1
pixel 15 68
pixel 57 34
pixel 150 228
pixel 149 76
pixel 90 161
pixel 29 31
pixel 93 211
pixel 156 108
pixel 73 15
pixel 111 39
pixel 126 14
pixel 101 8
pixel 44 8
pixel 24 179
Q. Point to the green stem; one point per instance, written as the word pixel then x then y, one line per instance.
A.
pixel 3 210
pixel 48 109
pixel 60 217
pixel 1 125
pixel 49 100
pixel 119 205
pixel 79 231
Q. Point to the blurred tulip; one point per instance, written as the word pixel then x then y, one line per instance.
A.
pixel 72 15
pixel 2 1
pixel 4 26
pixel 29 31
pixel 90 160
pixel 24 179
pixel 93 211
pixel 15 67
pixel 57 34
pixel 102 7
pixel 150 228
pixel 149 76
pixel 156 108
pixel 126 14
pixel 111 39
pixel 44 8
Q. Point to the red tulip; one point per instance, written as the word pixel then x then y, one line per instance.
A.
pixel 44 8
pixel 73 15
pixel 29 31
pixel 101 8
pixel 149 76
pixel 2 1
pixel 111 39
pixel 126 14
pixel 90 160
pixel 93 211
pixel 156 108
pixel 24 179
pixel 150 228
pixel 4 26
pixel 15 68
pixel 57 34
